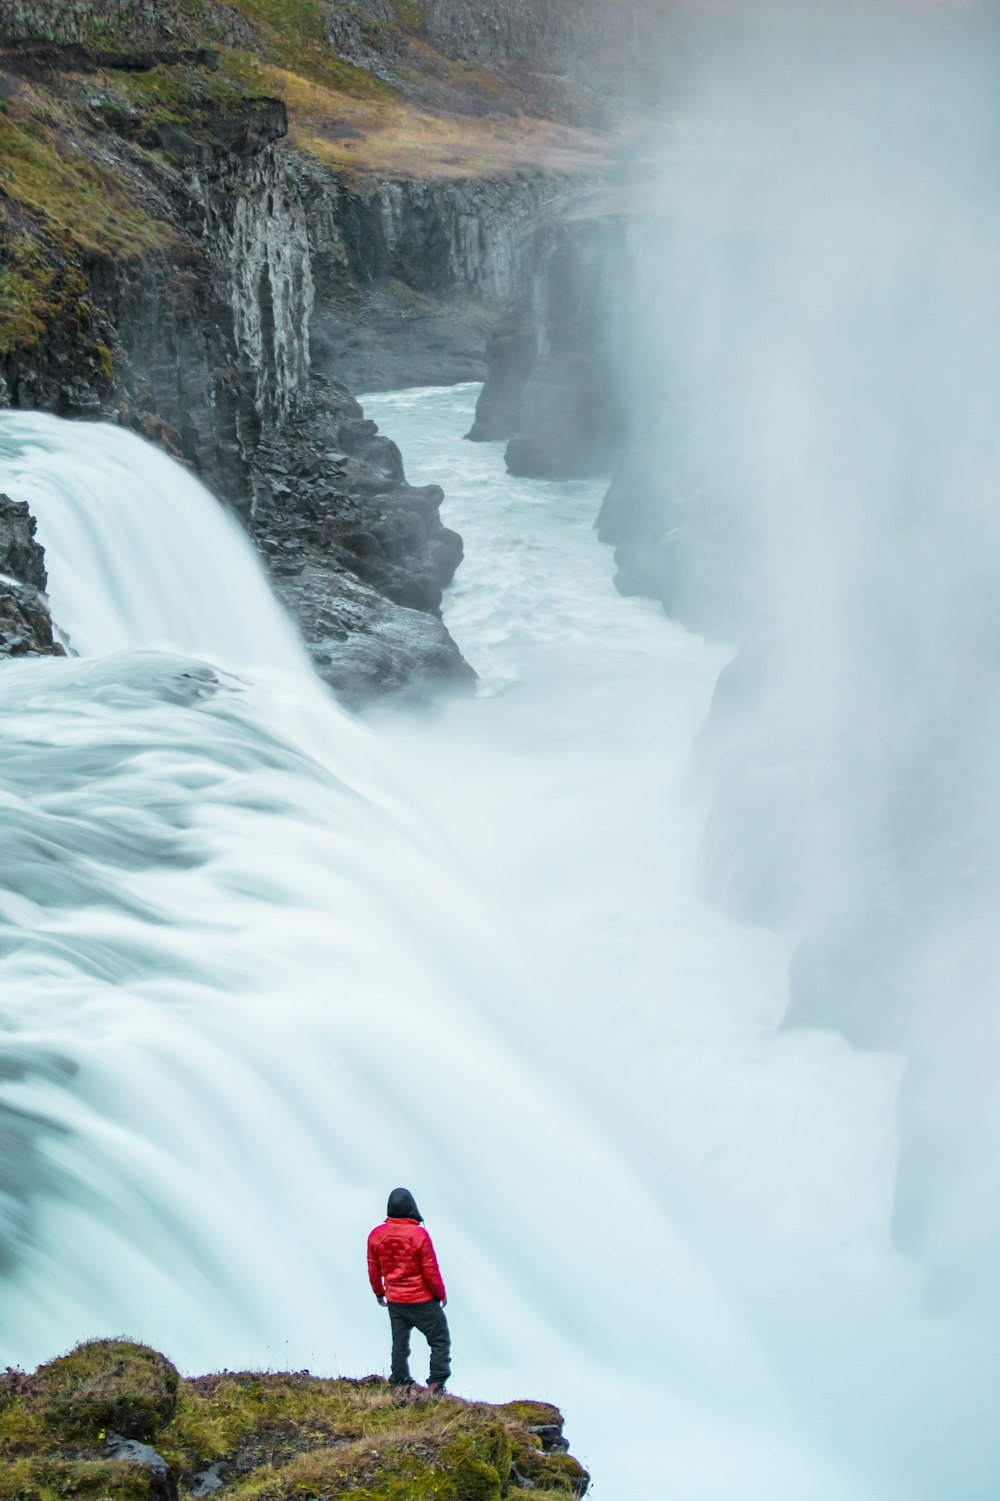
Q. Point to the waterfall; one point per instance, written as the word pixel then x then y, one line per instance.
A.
pixel 248 986
pixel 262 961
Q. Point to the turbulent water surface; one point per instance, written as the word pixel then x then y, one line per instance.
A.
pixel 261 962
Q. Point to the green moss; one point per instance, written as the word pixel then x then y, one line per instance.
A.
pixel 536 1494
pixel 41 284
pixel 217 1413
pixel 177 93
pixel 403 1470
pixel 26 283
pixel 533 1414
pixel 488 1443
pixel 22 1428
pixel 107 1385
pixel 44 172
pixel 558 1474
pixel 75 1480
pixel 105 359
pixel 287 1437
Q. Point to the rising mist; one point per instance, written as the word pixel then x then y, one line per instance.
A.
pixel 817 357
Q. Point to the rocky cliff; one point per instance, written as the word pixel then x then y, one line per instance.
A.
pixel 617 49
pixel 556 382
pixel 215 219
pixel 115 1421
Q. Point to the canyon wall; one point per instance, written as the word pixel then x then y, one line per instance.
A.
pixel 171 257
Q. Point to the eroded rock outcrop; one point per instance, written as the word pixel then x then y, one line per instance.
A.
pixel 360 557
pixel 556 382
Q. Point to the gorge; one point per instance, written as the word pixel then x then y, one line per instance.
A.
pixel 594 823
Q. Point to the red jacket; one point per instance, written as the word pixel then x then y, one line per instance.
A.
pixel 402 1266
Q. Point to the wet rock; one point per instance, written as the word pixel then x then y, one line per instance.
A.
pixel 25 621
pixel 359 557
pixel 366 647
pixel 511 354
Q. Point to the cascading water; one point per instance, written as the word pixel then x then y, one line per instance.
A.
pixel 261 962
pixel 246 988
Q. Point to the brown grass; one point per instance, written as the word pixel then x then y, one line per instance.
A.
pixel 393 137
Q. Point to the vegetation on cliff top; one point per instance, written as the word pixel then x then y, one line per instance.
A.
pixel 82 175
pixel 413 114
pixel 60 204
pixel 396 106
pixel 270 1437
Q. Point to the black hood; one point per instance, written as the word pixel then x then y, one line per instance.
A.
pixel 403 1206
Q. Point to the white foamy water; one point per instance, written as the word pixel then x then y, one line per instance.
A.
pixel 260 963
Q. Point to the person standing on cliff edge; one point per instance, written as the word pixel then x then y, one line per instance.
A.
pixel 405 1278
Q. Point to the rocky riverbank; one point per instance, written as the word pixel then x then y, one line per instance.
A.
pixel 114 1421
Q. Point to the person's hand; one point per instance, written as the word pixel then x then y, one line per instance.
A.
pixel 382 1303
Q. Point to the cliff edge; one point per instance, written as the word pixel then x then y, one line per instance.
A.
pixel 115 1421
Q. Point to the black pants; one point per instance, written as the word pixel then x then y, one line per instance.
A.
pixel 430 1320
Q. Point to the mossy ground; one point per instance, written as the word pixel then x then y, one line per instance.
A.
pixel 278 1437
pixel 64 203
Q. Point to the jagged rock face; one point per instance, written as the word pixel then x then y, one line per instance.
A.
pixel 556 383
pixel 249 215
pixel 359 557
pixel 238 364
pixel 209 336
pixel 589 34
pixel 433 264
pixel 472 235
pixel 25 622
pixel 530 29
pixel 620 49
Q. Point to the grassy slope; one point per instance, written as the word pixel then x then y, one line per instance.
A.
pixel 279 1437
pixel 76 179
pixel 420 114
pixel 433 118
